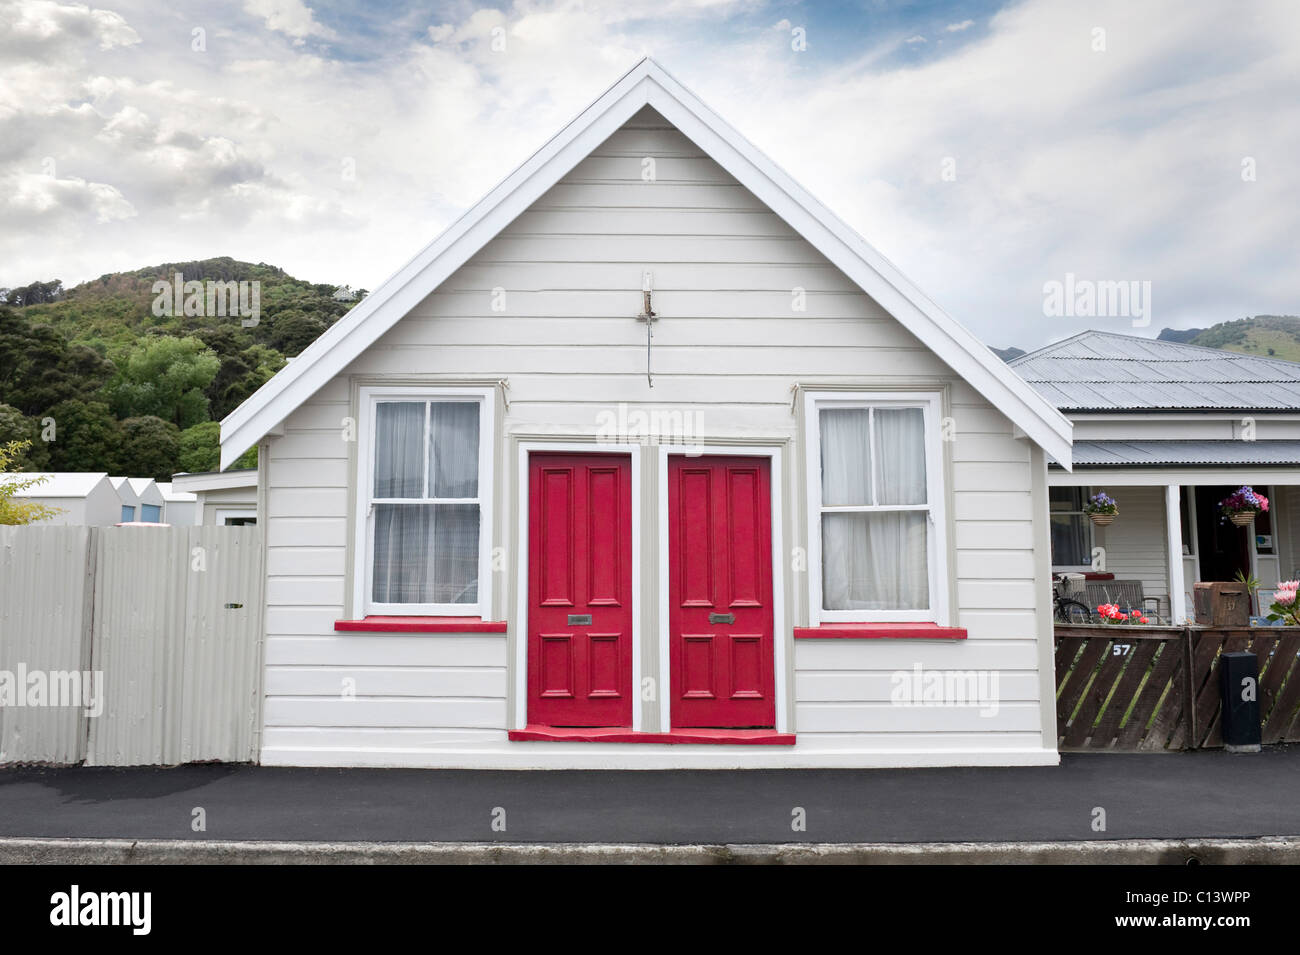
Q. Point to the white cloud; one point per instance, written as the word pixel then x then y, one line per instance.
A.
pixel 37 201
pixel 1123 164
pixel 958 27
pixel 293 18
pixel 916 38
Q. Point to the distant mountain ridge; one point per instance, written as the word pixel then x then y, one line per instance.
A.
pixel 1270 336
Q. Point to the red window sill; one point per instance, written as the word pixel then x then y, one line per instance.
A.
pixel 878 631
pixel 621 734
pixel 380 624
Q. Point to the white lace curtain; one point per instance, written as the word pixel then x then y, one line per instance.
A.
pixel 874 559
pixel 426 552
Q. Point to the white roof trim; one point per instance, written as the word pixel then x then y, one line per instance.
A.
pixel 646 84
pixel 215 480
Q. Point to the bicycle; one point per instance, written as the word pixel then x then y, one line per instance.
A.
pixel 1066 609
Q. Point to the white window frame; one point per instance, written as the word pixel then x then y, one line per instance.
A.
pixel 930 404
pixel 363 536
pixel 1087 523
pixel 220 514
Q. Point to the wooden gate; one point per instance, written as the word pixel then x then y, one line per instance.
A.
pixel 1157 688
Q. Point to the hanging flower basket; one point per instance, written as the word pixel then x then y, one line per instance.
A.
pixel 1102 509
pixel 1242 505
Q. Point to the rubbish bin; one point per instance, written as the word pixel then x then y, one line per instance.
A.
pixel 1239 686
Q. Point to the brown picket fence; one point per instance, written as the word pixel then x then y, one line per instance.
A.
pixel 1131 689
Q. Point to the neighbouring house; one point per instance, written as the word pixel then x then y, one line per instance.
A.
pixel 151 499
pixel 128 499
pixel 84 498
pixel 179 507
pixel 226 498
pixel 1169 431
pixel 649 461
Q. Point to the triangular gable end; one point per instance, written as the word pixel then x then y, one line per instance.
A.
pixel 647 84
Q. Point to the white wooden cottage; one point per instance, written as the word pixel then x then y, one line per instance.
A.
pixel 650 461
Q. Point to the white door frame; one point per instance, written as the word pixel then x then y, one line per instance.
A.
pixel 523 544
pixel 779 634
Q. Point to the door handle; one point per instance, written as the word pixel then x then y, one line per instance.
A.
pixel 722 618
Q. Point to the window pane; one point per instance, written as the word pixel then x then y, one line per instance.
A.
pixel 1066 498
pixel 1070 541
pixel 150 512
pixel 453 452
pixel 426 553
pixel 455 553
pixel 875 561
pixel 399 449
pixel 900 456
pixel 846 456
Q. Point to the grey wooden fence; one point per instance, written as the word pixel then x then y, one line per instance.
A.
pixel 157 630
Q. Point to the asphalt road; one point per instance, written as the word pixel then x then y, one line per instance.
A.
pixel 1189 795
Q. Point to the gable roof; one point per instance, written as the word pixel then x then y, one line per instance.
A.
pixel 61 483
pixel 125 491
pixel 146 489
pixel 1105 371
pixel 646 84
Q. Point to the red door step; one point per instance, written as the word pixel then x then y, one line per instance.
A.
pixel 621 734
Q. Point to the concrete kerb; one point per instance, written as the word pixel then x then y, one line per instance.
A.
pixel 1266 850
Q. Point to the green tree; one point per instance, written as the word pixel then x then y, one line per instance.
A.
pixel 17 427
pixel 149 448
pixel 164 377
pixel 293 330
pixel 86 436
pixel 19 512
pixel 38 368
pixel 200 450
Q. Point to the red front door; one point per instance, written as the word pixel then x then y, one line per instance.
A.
pixel 720 592
pixel 580 589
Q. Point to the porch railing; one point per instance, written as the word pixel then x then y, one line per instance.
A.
pixel 1148 688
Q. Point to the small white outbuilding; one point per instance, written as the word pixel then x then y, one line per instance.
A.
pixel 151 499
pixel 224 498
pixel 84 498
pixel 180 508
pixel 128 499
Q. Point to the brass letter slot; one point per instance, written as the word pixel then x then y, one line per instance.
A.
pixel 722 618
pixel 579 620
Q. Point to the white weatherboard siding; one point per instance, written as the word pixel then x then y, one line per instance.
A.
pixel 728 347
pixel 1135 543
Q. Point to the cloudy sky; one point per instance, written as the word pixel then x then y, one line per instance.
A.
pixel 986 148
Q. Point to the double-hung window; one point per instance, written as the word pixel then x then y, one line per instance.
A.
pixel 425 487
pixel 876 517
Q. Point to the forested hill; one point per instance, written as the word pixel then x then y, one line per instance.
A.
pixel 134 392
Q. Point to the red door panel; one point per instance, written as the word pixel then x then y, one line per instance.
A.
pixel 580 589
pixel 720 592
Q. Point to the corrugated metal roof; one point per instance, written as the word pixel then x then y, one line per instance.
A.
pixel 1103 371
pixel 1155 453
